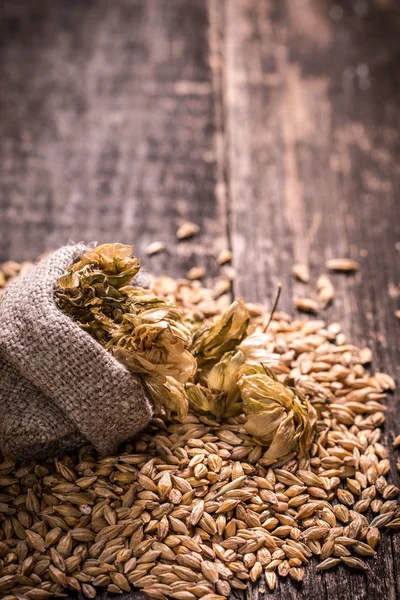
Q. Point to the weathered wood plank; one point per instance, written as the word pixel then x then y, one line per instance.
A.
pixel 312 142
pixel 107 128
pixel 114 126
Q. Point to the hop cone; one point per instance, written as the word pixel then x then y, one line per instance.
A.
pixel 229 370
pixel 141 330
pixel 275 415
pixel 221 396
pixel 213 341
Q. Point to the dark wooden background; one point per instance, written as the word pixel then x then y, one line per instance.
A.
pixel 274 125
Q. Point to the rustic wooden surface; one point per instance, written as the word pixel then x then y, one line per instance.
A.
pixel 274 125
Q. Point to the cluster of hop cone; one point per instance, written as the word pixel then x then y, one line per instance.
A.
pixel 216 369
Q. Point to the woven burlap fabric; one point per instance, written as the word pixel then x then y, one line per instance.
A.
pixel 58 386
pixel 30 424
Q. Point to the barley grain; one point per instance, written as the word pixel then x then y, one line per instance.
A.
pixel 344 265
pixel 187 230
pixel 195 509
pixel 328 563
pixel 301 273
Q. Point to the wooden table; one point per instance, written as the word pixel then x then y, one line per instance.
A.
pixel 274 125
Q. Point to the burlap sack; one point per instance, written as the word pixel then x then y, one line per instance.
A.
pixel 59 388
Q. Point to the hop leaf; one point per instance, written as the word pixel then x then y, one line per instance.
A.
pixel 257 350
pixel 222 396
pixel 171 395
pixel 198 398
pixel 213 341
pixel 222 382
pixel 276 416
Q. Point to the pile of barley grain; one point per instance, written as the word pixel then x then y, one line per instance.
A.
pixel 193 510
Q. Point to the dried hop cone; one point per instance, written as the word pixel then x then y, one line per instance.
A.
pixel 211 342
pixel 219 370
pixel 139 329
pixel 276 416
pixel 221 396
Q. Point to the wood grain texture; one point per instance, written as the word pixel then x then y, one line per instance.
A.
pixel 273 125
pixel 108 128
pixel 311 146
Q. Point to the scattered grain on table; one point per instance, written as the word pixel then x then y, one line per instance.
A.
pixel 343 265
pixel 301 272
pixel 306 305
pixel 221 287
pixel 196 273
pixel 199 508
pixel 224 256
pixel 325 290
pixel 187 230
pixel 229 272
pixel 155 248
